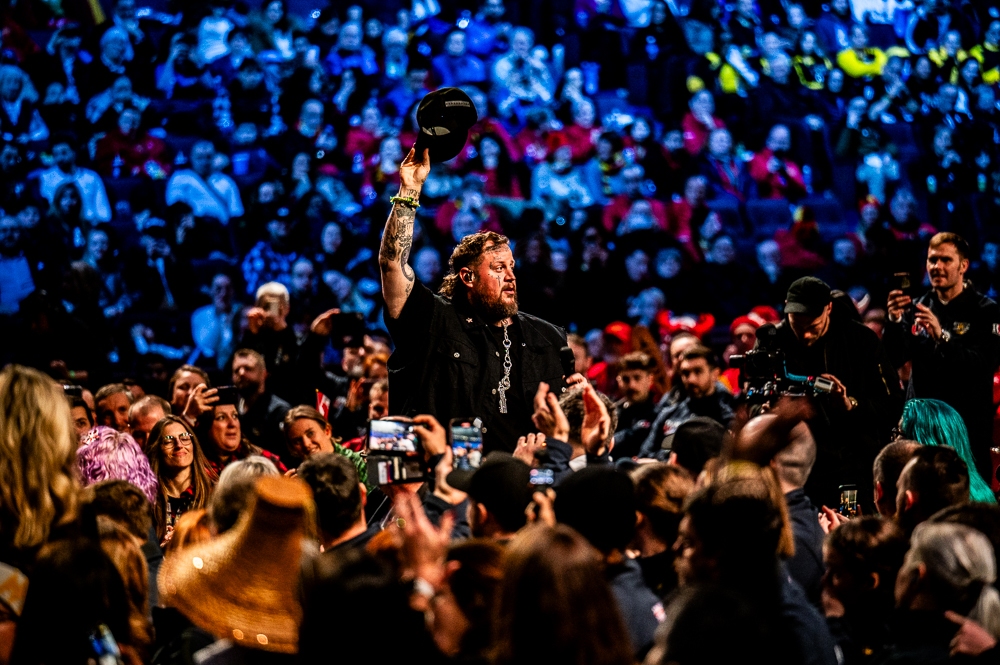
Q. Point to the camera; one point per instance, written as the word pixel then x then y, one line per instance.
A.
pixel 765 377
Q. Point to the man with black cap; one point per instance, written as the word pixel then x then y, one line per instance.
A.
pixel 599 502
pixel 499 493
pixel 466 352
pixel 859 411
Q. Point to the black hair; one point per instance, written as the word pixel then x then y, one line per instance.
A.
pixel 334 481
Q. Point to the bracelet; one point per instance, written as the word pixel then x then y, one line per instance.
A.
pixel 405 200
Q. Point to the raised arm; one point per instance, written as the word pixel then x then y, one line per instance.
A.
pixel 397 239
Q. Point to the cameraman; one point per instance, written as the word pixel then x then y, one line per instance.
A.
pixel 951 335
pixel 855 417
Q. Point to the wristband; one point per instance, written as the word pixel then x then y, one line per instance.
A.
pixel 408 201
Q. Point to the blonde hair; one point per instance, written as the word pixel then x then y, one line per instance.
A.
pixel 40 490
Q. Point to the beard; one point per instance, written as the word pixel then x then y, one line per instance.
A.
pixel 491 308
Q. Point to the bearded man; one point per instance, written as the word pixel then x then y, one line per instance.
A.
pixel 466 352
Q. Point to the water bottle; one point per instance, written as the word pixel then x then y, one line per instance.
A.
pixel 981 181
pixel 116 167
pixel 358 165
pixel 652 48
pixel 807 176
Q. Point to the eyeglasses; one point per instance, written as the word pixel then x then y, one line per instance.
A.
pixel 174 441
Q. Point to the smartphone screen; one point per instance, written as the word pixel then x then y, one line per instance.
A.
pixel 543 477
pixel 392 436
pixel 848 500
pixel 466 444
pixel 901 281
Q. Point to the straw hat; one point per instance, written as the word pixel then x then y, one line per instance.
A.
pixel 243 585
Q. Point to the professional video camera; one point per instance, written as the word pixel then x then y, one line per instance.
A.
pixel 765 377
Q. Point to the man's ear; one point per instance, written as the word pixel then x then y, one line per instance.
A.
pixel 364 494
pixel 481 512
pixel 909 499
pixel 672 459
pixel 879 492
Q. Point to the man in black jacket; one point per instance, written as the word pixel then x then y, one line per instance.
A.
pixel 952 335
pixel 855 417
pixel 466 352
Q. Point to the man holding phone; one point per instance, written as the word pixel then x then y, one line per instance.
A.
pixel 467 351
pixel 952 336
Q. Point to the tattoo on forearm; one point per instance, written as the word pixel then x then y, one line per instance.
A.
pixel 397 240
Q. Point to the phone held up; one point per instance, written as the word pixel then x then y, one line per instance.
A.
pixel 394 452
pixel 848 500
pixel 466 443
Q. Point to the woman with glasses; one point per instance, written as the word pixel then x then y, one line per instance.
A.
pixel 176 458
pixel 220 429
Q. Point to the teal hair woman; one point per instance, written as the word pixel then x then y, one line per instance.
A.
pixel 934 423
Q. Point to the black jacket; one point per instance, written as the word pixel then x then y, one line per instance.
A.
pixel 634 421
pixel 960 371
pixel 806 565
pixel 846 441
pixel 448 363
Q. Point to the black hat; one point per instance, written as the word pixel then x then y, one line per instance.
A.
pixel 502 484
pixel 807 295
pixel 599 502
pixel 696 441
pixel 444 118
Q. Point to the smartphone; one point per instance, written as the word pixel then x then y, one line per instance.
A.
pixel 273 307
pixel 72 390
pixel 901 281
pixel 848 500
pixel 393 436
pixel 542 477
pixel 228 395
pixel 466 443
pixel 397 469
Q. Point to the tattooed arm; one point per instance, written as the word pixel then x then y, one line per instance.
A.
pixel 397 239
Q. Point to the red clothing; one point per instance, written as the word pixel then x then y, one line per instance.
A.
pixel 794 254
pixel 363 141
pixel 603 375
pixel 679 226
pixel 696 133
pixel 580 141
pixel 616 211
pixel 533 144
pixel 492 186
pixel 487 126
pixel 134 153
pixel 785 183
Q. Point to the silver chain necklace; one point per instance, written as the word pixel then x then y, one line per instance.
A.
pixel 505 381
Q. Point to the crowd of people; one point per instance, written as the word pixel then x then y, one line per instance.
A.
pixel 767 228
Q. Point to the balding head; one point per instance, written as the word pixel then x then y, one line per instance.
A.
pixel 795 461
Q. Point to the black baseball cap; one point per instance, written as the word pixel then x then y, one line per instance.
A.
pixel 599 502
pixel 444 118
pixel 807 295
pixel 502 484
pixel 696 441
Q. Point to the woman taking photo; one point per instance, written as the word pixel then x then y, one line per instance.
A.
pixel 220 429
pixel 180 466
